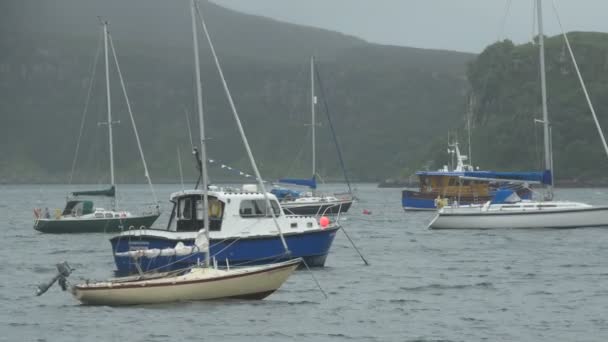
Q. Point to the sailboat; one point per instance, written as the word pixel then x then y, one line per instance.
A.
pixel 311 203
pixel 247 226
pixel 528 214
pixel 79 215
pixel 201 282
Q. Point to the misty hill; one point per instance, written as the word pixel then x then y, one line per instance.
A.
pixel 387 102
pixel 506 85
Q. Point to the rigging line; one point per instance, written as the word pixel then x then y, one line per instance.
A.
pixel 181 173
pixel 333 131
pixel 299 155
pixel 314 278
pixel 189 128
pixel 291 111
pixel 580 78
pixel 354 246
pixel 533 20
pixel 240 126
pixel 141 152
pixel 86 106
pixel 503 23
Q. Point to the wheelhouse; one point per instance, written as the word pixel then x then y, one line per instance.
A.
pixel 187 213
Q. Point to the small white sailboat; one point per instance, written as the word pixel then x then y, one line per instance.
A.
pixel 529 214
pixel 201 282
pixel 312 202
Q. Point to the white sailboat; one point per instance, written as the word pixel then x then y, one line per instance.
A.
pixel 313 203
pixel 201 282
pixel 529 214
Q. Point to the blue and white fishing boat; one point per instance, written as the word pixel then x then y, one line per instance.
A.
pixel 241 232
pixel 244 226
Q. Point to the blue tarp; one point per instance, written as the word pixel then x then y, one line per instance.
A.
pixel 311 183
pixel 282 193
pixel 543 177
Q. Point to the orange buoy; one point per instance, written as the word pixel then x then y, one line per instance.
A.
pixel 324 221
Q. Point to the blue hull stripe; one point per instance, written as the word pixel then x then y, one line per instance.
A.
pixel 312 246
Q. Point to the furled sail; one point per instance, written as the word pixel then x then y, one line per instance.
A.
pixel 111 192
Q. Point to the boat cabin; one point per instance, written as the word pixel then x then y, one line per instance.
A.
pixel 450 184
pixel 187 213
pixel 78 208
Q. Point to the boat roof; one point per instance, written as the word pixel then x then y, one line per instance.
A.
pixel 532 176
pixel 223 194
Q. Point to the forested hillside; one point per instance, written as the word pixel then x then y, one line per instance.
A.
pixel 388 103
pixel 506 87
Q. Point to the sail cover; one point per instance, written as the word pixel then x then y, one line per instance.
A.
pixel 201 244
pixel 311 183
pixel 111 192
pixel 531 176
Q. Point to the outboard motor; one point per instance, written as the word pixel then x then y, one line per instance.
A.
pixel 63 272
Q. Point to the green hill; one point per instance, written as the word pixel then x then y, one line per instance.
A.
pixel 388 103
pixel 505 83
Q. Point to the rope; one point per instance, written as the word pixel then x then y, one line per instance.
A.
pixel 141 152
pixel 333 131
pixel 580 78
pixel 86 106
pixel 240 126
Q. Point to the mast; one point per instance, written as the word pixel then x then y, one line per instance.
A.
pixel 469 115
pixel 543 88
pixel 312 109
pixel 242 133
pixel 199 98
pixel 109 100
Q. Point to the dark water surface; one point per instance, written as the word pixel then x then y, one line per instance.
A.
pixel 507 285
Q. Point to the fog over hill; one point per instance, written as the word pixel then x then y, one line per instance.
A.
pixel 389 104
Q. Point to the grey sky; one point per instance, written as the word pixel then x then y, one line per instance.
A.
pixel 462 25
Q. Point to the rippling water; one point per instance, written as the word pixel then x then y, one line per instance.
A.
pixel 507 285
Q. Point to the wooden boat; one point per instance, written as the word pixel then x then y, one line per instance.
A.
pixel 463 185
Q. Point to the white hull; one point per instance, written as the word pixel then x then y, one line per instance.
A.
pixel 198 284
pixel 524 215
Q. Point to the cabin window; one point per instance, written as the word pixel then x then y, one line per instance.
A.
pixel 98 215
pixel 309 224
pixel 294 225
pixel 185 209
pixel 258 208
pixel 109 215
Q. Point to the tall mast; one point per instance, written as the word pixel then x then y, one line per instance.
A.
pixel 109 100
pixel 469 114
pixel 199 98
pixel 312 109
pixel 543 88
